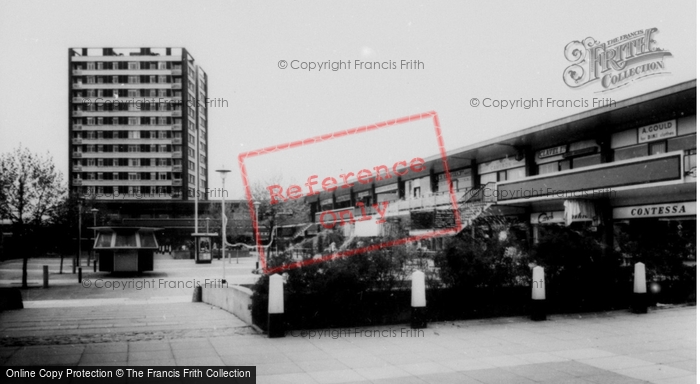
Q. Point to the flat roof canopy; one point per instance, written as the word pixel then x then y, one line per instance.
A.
pixel 125 238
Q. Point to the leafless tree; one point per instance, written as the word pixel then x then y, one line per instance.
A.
pixel 30 190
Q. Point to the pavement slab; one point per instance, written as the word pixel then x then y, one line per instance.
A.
pixel 75 326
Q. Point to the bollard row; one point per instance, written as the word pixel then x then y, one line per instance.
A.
pixel 538 304
pixel 419 314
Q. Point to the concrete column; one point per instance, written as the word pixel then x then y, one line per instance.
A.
pixel 639 298
pixel 539 310
pixel 46 276
pixel 418 302
pixel 275 307
pixel 197 295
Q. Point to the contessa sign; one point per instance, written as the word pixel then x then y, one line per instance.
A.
pixel 656 210
pixel 616 62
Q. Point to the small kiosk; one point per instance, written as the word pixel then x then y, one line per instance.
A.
pixel 125 249
pixel 203 247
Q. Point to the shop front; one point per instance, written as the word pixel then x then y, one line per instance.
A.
pixel 662 230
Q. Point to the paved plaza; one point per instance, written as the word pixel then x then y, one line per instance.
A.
pixel 161 327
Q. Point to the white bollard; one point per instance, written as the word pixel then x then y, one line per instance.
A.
pixel 639 302
pixel 539 296
pixel 418 302
pixel 275 307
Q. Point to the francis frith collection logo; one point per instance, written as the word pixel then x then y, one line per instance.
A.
pixel 616 62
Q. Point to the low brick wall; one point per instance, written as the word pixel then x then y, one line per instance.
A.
pixel 179 254
pixel 234 299
pixel 10 298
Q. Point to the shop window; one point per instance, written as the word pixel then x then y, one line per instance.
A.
pixel 515 173
pixel 682 143
pixel 586 161
pixel 631 152
pixel 544 169
pixel 367 200
pixel 489 178
pixel 657 148
pixel 565 165
pixel 690 160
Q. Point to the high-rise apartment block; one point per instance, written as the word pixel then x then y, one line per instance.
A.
pixel 138 124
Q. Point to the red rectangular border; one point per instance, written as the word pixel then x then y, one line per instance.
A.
pixel 335 135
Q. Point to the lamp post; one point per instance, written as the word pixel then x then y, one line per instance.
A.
pixel 223 173
pixel 257 205
pixel 94 233
pixel 80 233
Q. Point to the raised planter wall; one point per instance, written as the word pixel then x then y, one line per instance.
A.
pixel 234 299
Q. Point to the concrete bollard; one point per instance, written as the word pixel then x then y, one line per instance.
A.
pixel 419 312
pixel 275 307
pixel 46 276
pixel 639 298
pixel 80 275
pixel 197 295
pixel 539 309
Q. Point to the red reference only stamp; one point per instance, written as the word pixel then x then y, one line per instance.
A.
pixel 330 218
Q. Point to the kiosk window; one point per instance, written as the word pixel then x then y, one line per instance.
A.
pixel 125 240
pixel 148 240
pixel 104 240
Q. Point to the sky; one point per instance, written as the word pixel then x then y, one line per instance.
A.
pixel 506 50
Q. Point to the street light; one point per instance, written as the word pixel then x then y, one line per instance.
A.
pixel 94 225
pixel 257 205
pixel 80 233
pixel 223 173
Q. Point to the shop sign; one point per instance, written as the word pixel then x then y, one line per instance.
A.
pixel 498 165
pixel 386 188
pixel 327 201
pixel 657 131
pixel 554 217
pixel 656 210
pixel 550 152
pixel 455 175
pixel 340 199
pixel 363 194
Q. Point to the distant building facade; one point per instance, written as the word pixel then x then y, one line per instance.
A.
pixel 138 124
